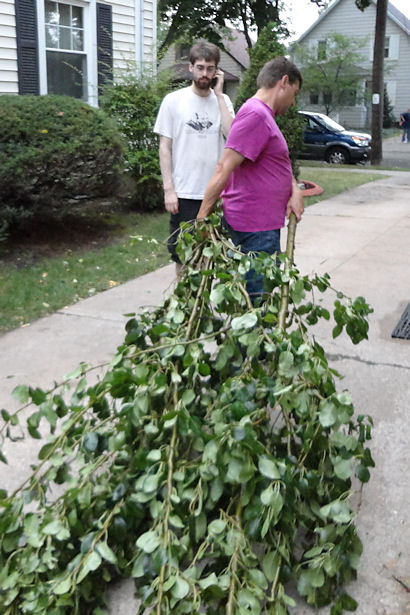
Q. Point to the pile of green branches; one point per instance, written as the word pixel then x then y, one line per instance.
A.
pixel 212 461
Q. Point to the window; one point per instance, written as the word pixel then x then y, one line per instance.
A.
pixel 386 46
pixel 313 98
pixel 65 55
pixel 64 47
pixel 321 50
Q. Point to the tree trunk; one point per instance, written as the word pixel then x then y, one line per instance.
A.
pixel 378 81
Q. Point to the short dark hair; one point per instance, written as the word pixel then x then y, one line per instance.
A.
pixel 203 50
pixel 275 69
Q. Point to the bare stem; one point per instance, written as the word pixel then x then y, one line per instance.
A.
pixel 290 248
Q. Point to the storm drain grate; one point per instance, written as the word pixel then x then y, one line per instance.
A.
pixel 402 328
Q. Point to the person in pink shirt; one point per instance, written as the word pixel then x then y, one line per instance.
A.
pixel 254 174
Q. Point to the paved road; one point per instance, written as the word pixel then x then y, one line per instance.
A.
pixel 396 153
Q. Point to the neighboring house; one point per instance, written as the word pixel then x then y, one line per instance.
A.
pixel 345 18
pixel 234 62
pixel 73 47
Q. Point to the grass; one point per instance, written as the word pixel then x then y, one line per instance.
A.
pixel 335 181
pixel 33 287
pixel 38 276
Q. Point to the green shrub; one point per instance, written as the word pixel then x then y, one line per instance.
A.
pixel 53 148
pixel 134 103
pixel 266 48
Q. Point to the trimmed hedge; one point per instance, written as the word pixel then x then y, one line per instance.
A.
pixel 52 149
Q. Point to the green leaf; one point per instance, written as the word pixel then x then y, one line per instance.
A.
pixel 258 578
pixel 247 321
pixel 53 528
pixel 148 542
pixel 6 415
pixel 342 468
pixel 328 414
pixel 180 588
pixel 216 527
pixel 209 581
pixel 106 552
pixel 92 562
pixel 188 397
pixel 286 362
pixel 270 564
pixel 362 473
pixel 218 294
pixel 154 455
pixel 175 521
pixel 138 567
pixel 268 468
pixel 21 393
pixel 63 587
pixel 90 442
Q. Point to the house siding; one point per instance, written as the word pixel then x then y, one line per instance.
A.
pixel 133 35
pixel 346 19
pixel 134 39
pixel 8 48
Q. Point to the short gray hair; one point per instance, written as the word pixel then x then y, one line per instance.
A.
pixel 275 69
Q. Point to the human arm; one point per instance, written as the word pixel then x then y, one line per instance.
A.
pixel 295 203
pixel 165 163
pixel 226 114
pixel 229 160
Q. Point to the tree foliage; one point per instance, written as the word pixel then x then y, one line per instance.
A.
pixel 133 102
pixel 212 462
pixel 191 19
pixel 389 119
pixel 333 72
pixel 267 47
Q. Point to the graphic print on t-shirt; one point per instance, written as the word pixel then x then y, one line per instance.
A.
pixel 200 123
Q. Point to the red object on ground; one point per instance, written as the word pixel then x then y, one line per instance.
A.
pixel 311 189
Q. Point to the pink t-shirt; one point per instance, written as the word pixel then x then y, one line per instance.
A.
pixel 257 191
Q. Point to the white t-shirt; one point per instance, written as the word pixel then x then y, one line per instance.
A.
pixel 194 124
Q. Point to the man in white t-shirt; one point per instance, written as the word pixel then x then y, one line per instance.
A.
pixel 193 123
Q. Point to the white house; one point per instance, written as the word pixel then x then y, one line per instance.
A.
pixel 234 61
pixel 72 47
pixel 343 17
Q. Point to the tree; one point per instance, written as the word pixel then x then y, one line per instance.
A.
pixel 206 18
pixel 267 47
pixel 333 70
pixel 388 115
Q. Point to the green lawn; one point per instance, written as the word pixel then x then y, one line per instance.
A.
pixel 33 286
pixel 43 286
pixel 335 181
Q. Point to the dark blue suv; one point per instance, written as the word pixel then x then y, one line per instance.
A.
pixel 325 139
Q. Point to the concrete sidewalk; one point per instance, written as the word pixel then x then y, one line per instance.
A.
pixel 362 239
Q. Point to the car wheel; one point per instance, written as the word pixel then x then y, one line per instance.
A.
pixel 337 155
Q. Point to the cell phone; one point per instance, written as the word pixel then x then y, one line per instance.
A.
pixel 214 81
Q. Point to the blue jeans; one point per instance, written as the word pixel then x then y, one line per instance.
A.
pixel 260 241
pixel 406 134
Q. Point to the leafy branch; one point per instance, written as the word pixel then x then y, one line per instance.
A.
pixel 217 431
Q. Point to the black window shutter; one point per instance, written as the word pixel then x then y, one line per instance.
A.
pixel 27 46
pixel 104 45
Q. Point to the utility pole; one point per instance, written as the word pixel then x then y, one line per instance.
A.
pixel 378 81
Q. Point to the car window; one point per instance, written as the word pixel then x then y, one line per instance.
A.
pixel 331 124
